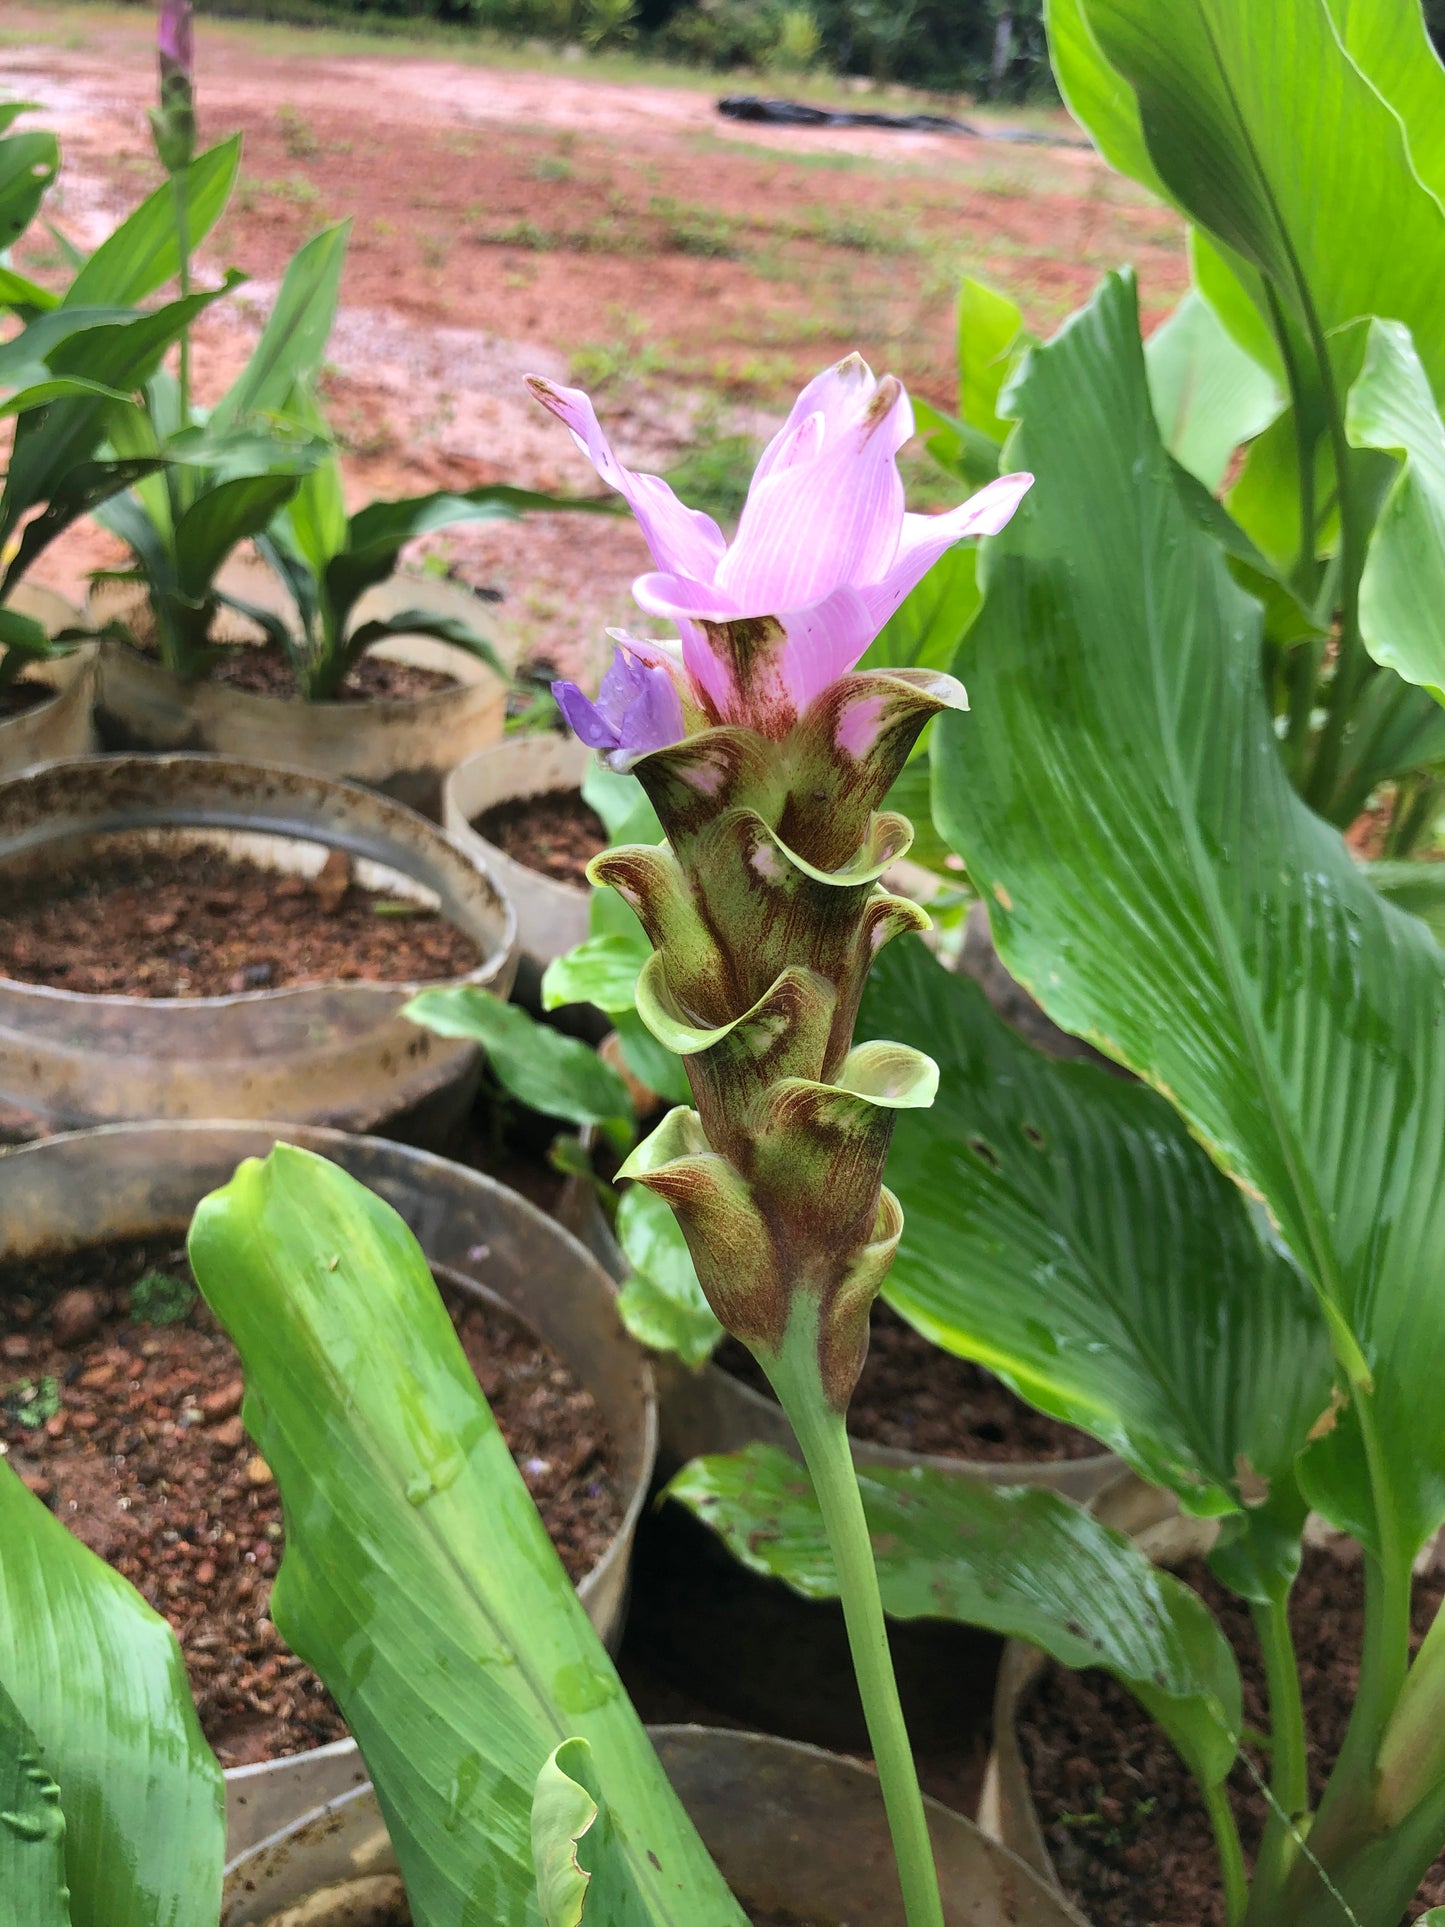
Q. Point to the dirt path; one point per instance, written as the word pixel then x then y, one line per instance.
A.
pixel 690 270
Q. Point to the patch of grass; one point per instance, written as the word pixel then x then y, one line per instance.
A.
pixel 160 1298
pixel 295 189
pixel 715 473
pixel 689 228
pixel 296 135
pixel 30 1402
pixel 433 249
pixel 551 167
pixel 628 356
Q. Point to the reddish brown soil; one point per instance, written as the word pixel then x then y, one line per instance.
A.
pixel 919 1398
pixel 766 1917
pixel 198 924
pixel 1124 1820
pixel 21 695
pixel 374 679
pixel 556 833
pixel 132 1433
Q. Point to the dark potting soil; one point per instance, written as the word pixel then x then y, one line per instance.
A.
pixel 21 695
pixel 197 923
pixel 556 833
pixel 120 1402
pixel 764 1917
pixel 262 672
pixel 1124 1820
pixel 915 1396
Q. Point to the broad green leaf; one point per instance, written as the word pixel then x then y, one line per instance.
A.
pixel 80 491
pixel 1402 591
pixel 29 163
pixel 33 1892
pixel 662 1303
pixel 99 1680
pixel 620 800
pixel 1098 98
pixel 925 631
pixel 418 1579
pixel 24 634
pixel 546 1070
pixel 1208 394
pixel 991 338
pixel 220 519
pixel 1416 887
pixel 1018 1560
pixel 1390 43
pixel 912 796
pixel 1267 134
pixel 651 1063
pixel 23 296
pixel 601 971
pixel 293 342
pixel 581 1868
pixel 1235 291
pixel 1155 882
pixel 143 253
pixel 1063 1228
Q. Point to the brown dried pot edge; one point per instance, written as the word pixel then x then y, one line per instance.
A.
pixel 137 1180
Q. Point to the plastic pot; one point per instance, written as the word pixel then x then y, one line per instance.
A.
pixel 551 916
pixel 335 1053
pixel 791 1828
pixel 402 747
pixel 61 726
pixel 711 1411
pixel 143 1180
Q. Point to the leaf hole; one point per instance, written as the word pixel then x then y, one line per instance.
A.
pixel 984 1152
pixel 1034 1136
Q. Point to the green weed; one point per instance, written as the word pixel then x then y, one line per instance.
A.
pixel 160 1298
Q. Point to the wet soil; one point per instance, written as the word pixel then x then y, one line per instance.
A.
pixel 919 1398
pixel 260 672
pixel 200 924
pixel 120 1402
pixel 1123 1819
pixel 22 695
pixel 555 833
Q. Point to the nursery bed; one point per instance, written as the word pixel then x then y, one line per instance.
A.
pixel 196 923
pixel 131 1431
pixel 1122 1817
pixel 918 1398
pixel 556 833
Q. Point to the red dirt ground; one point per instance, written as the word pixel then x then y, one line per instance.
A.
pixel 622 235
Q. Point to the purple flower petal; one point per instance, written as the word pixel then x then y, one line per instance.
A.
pixel 583 717
pixel 680 538
pixel 839 397
pixel 925 537
pixel 637 709
pixel 174 38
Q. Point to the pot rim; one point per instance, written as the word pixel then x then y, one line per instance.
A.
pixel 483 974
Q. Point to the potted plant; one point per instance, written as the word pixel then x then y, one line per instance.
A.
pixel 92 1260
pixel 188 934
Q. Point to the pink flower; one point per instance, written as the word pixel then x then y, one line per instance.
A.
pixel 824 553
pixel 174 40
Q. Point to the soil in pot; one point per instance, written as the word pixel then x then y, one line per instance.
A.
pixel 198 923
pixel 120 1406
pixel 17 698
pixel 555 833
pixel 919 1398
pixel 260 672
pixel 1123 1819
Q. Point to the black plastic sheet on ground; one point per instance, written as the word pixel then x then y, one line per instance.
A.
pixel 797 113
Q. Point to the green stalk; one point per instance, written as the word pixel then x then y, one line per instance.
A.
pixel 1289 1763
pixel 180 196
pixel 1415 805
pixel 1352 664
pixel 822 1433
pixel 1231 1854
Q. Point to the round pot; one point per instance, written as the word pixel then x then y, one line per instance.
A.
pixel 402 747
pixel 711 1411
pixel 61 726
pixel 336 1053
pixel 551 916
pixel 790 1828
pixel 140 1180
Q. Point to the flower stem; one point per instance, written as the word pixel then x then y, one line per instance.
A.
pixel 822 1434
pixel 179 193
pixel 1289 1765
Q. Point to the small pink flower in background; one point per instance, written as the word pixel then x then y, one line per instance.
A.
pixel 174 40
pixel 825 550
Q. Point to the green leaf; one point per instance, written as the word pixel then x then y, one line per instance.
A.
pixel 424 622
pixel 80 491
pixel 1255 121
pixel 546 1070
pixel 98 1678
pixel 1063 1228
pixel 1018 1560
pixel 991 340
pixel 1416 887
pixel 23 296
pixel 1095 94
pixel 1157 885
pixel 1402 591
pixel 24 635
pixel 601 971
pixel 620 800
pixel 143 253
pixel 581 1868
pixel 29 163
pixel 1389 42
pixel 293 342
pixel 650 1062
pixel 662 1303
pixel 418 1579
pixel 1208 394
pixel 925 631
pixel 220 519
pixel 32 1837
